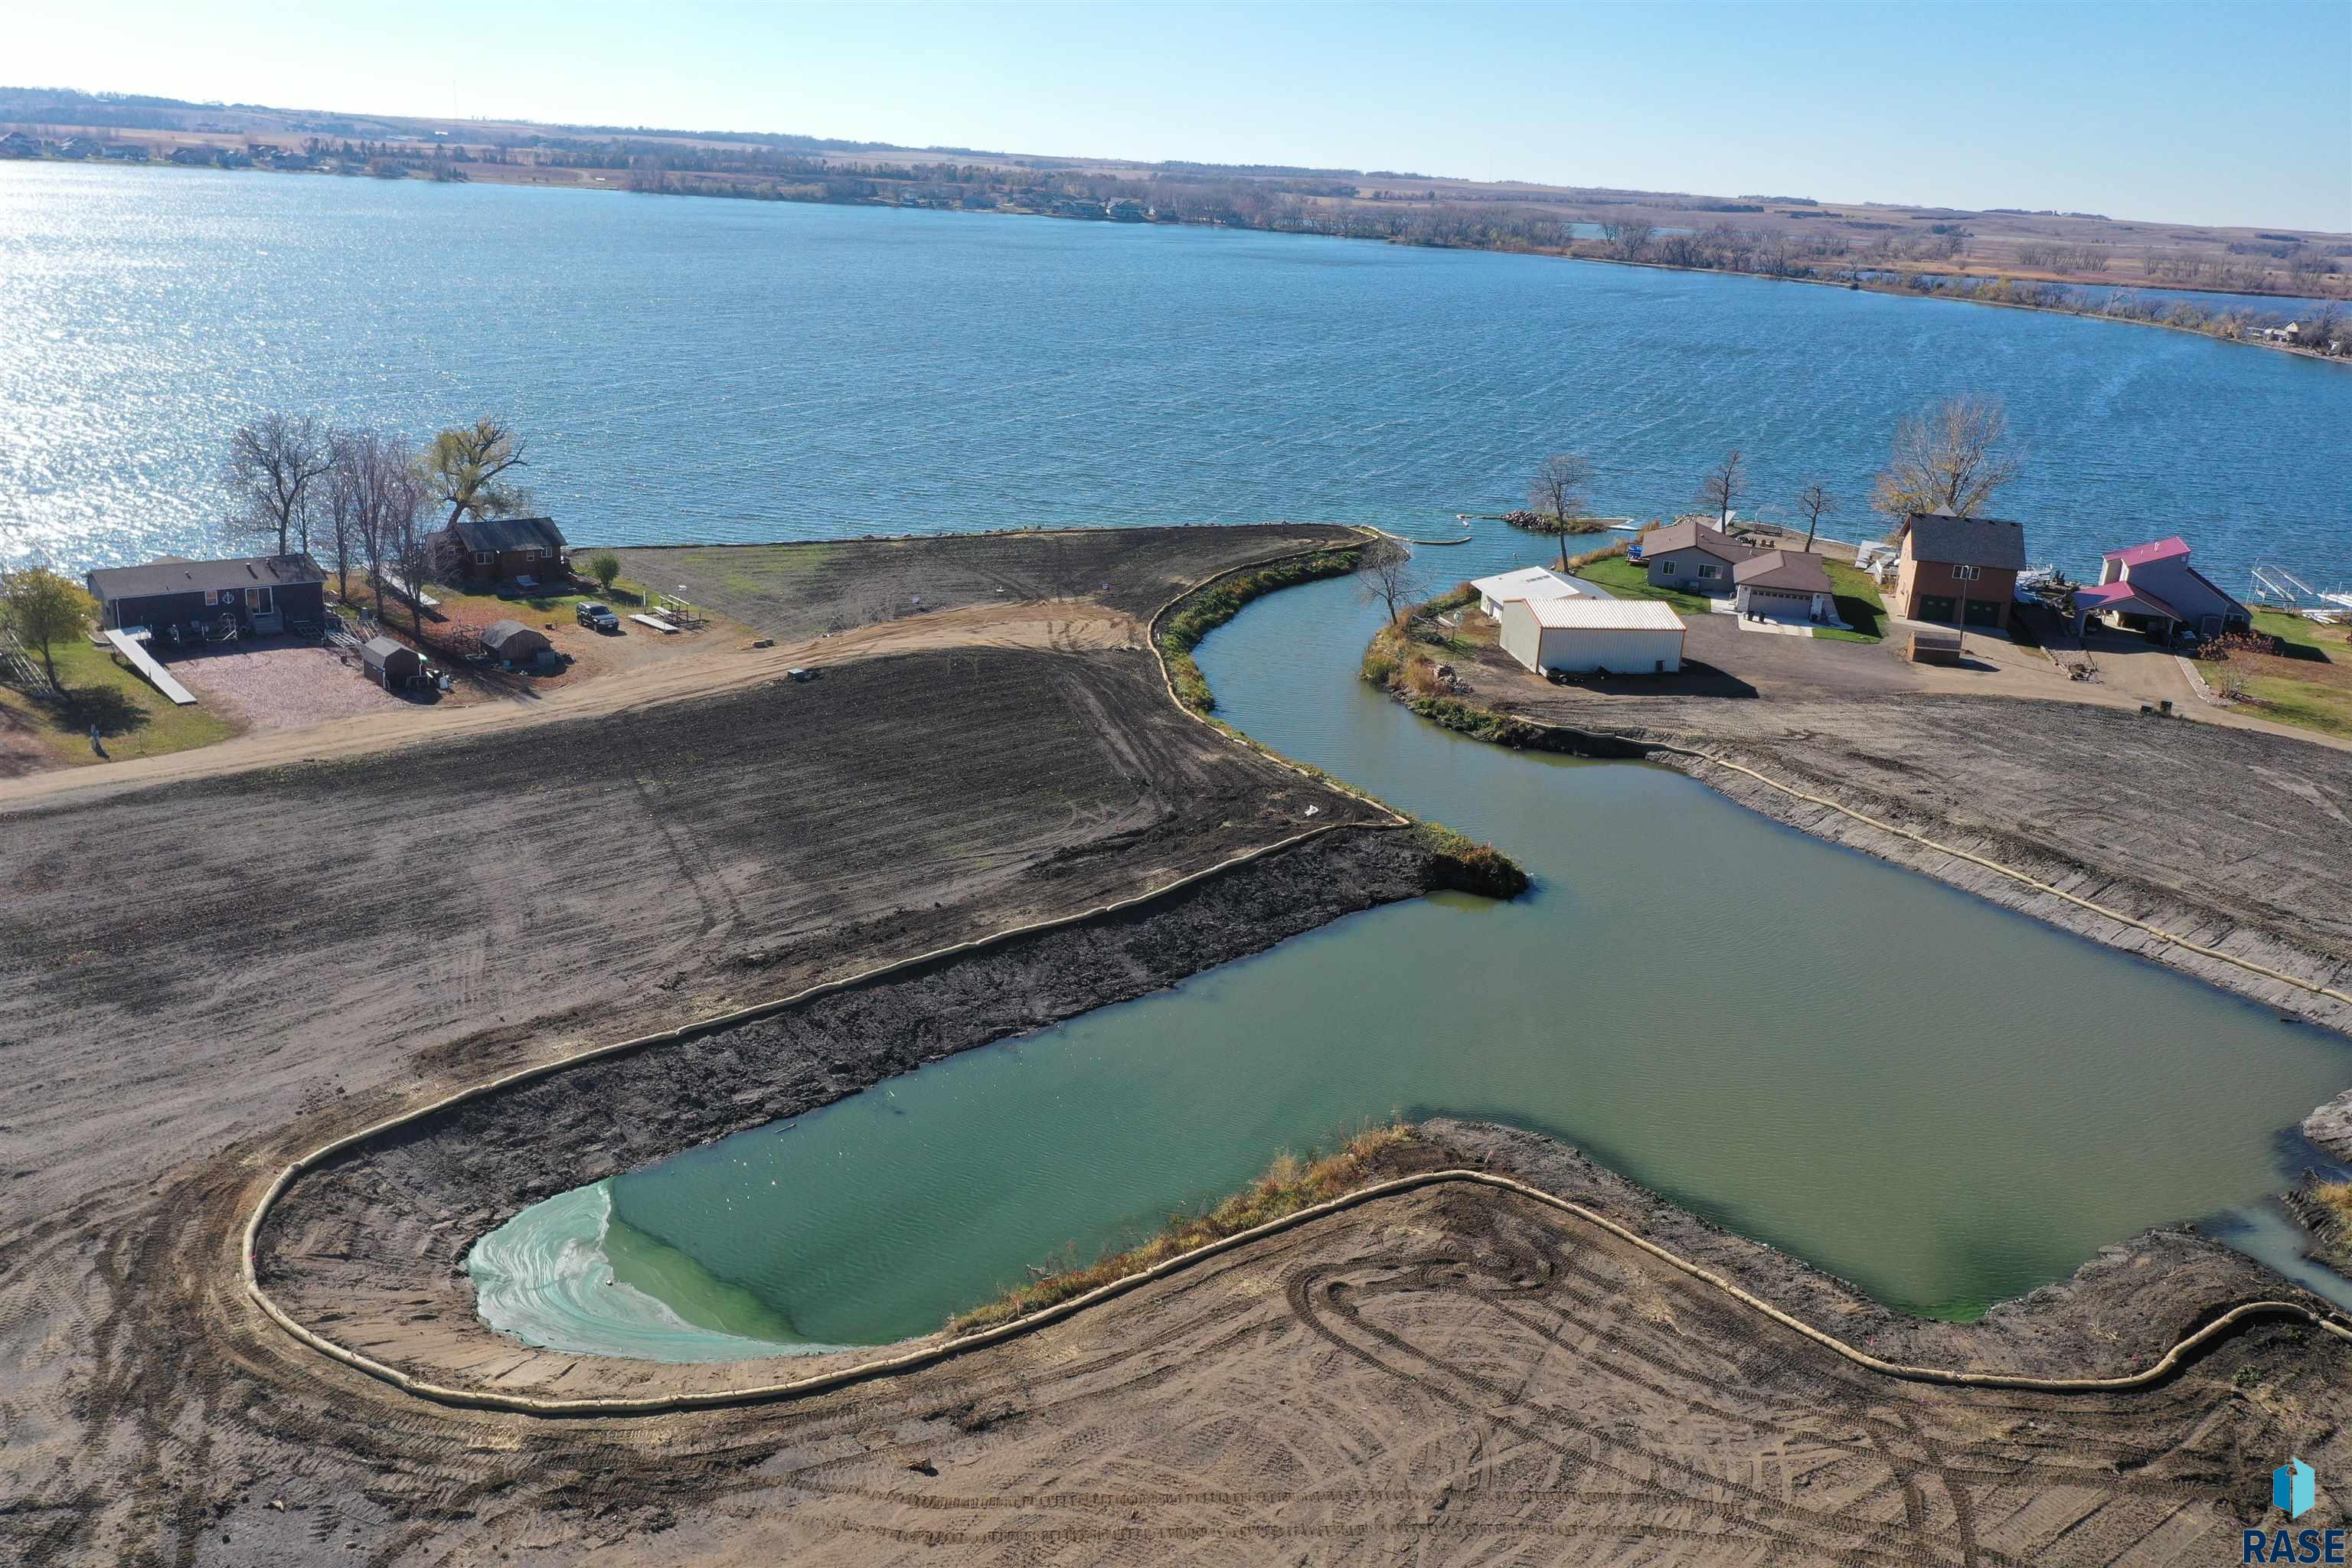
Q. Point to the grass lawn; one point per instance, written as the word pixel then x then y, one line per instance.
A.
pixel 2309 685
pixel 1628 581
pixel 1858 605
pixel 136 719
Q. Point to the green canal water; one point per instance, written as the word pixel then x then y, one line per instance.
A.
pixel 1943 1102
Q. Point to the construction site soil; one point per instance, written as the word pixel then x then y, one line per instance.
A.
pixel 2232 837
pixel 201 979
pixel 833 585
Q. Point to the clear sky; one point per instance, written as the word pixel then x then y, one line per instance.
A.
pixel 2215 113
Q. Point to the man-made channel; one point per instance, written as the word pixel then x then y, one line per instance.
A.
pixel 1943 1101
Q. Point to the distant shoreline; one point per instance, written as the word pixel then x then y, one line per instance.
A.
pixel 1843 285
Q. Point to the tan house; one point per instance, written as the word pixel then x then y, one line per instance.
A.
pixel 1959 571
pixel 1693 556
pixel 1785 582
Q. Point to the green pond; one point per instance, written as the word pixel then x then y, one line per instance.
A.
pixel 1945 1102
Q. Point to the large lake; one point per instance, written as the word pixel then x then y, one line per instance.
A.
pixel 708 370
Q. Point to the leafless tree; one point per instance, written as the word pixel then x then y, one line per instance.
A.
pixel 1633 239
pixel 272 463
pixel 338 511
pixel 1557 496
pixel 1816 502
pixel 1388 575
pixel 388 494
pixel 1722 488
pixel 1950 458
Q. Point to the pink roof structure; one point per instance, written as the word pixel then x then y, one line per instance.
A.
pixel 2124 598
pixel 2155 550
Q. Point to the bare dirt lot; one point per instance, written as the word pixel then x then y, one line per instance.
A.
pixel 201 977
pixel 2232 833
pixel 264 688
pixel 1451 1375
pixel 799 590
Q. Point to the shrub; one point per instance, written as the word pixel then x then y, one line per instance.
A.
pixel 1199 614
pixel 606 567
pixel 1288 1185
pixel 1464 864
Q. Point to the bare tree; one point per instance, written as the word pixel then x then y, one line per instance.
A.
pixel 1950 458
pixel 466 469
pixel 1633 239
pixel 1557 495
pixel 389 493
pixel 1816 502
pixel 1722 488
pixel 1388 575
pixel 338 511
pixel 271 465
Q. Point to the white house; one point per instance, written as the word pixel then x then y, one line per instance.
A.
pixel 1625 637
pixel 1526 582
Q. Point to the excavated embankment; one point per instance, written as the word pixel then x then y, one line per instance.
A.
pixel 369 1246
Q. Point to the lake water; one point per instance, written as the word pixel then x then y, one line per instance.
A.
pixel 1789 1037
pixel 712 370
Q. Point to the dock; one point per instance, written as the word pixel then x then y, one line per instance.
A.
pixel 144 663
pixel 654 621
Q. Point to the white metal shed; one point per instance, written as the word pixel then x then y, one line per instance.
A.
pixel 1625 636
pixel 1526 582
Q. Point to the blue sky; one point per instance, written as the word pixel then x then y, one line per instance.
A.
pixel 2231 113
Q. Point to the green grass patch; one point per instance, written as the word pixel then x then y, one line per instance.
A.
pixel 1462 863
pixel 1288 1185
pixel 1203 611
pixel 2316 705
pixel 2304 638
pixel 1627 580
pixel 133 718
pixel 1859 606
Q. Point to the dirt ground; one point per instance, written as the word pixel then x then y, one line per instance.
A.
pixel 834 585
pixel 2229 832
pixel 266 688
pixel 205 972
pixel 1451 1375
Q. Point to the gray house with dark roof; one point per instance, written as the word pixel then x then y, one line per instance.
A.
pixel 1692 555
pixel 262 593
pixel 1788 582
pixel 494 548
pixel 1959 571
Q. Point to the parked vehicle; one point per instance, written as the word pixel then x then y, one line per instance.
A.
pixel 596 618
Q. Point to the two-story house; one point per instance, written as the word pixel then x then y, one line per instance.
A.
pixel 2152 588
pixel 1959 571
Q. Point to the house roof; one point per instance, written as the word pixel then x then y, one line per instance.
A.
pixel 2126 597
pixel 1605 615
pixel 1949 541
pixel 1528 583
pixel 507 532
pixel 2154 550
pixel 1794 570
pixel 1689 533
pixel 498 634
pixel 175 576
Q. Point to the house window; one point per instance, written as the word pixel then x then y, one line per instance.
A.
pixel 1707 569
pixel 1667 567
pixel 1965 574
pixel 483 558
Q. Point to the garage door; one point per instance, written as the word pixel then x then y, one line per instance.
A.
pixel 1769 602
pixel 1983 612
pixel 1935 607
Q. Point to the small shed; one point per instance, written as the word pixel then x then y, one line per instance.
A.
pixel 514 642
pixel 390 663
pixel 1628 636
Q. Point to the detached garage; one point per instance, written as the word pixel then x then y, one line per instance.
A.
pixel 1625 637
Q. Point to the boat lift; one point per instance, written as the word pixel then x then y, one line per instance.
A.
pixel 2283 586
